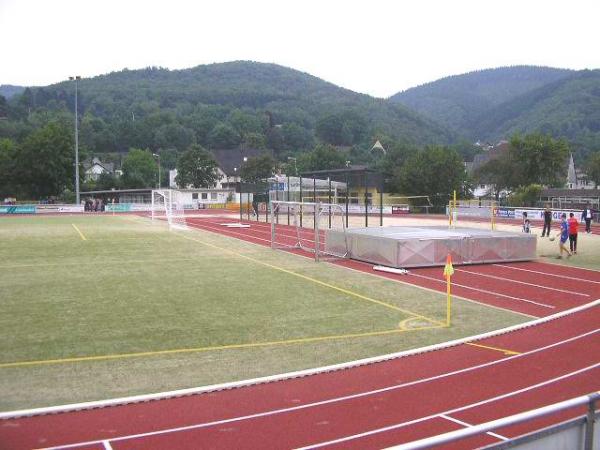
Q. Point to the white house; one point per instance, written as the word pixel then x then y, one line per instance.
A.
pixel 94 168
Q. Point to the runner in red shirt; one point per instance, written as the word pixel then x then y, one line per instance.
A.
pixel 573 224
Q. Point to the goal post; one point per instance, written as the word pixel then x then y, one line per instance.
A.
pixel 318 228
pixel 167 204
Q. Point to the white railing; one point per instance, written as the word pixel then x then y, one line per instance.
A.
pixel 453 436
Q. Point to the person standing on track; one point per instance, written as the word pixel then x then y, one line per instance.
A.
pixel 526 223
pixel 564 235
pixel 573 224
pixel 547 221
pixel 587 216
pixel 254 206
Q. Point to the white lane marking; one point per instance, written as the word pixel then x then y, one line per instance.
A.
pixel 450 411
pixel 552 274
pixel 345 398
pixel 520 282
pixel 107 445
pixel 468 425
pixel 519 299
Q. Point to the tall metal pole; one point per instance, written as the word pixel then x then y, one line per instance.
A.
pixel 77 197
pixel 158 157
pixel 381 202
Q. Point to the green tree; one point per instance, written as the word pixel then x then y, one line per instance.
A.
pixel 3 107
pixel 174 136
pixel 296 137
pixel 538 159
pixel 434 171
pixel 255 140
pixel 532 159
pixel 592 168
pixel 331 129
pixel 222 136
pixel 8 150
pixel 500 173
pixel 196 167
pixel 244 122
pixel 257 168
pixel 44 162
pixel 323 157
pixel 526 196
pixel 108 181
pixel 139 169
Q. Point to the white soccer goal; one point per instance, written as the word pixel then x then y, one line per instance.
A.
pixel 167 204
pixel 318 228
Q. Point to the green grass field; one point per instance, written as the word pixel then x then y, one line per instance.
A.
pixel 106 306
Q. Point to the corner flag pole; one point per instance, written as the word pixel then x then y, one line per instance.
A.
pixel 448 272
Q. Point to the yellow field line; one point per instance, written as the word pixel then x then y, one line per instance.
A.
pixel 314 280
pixel 503 350
pixel 79 231
pixel 206 349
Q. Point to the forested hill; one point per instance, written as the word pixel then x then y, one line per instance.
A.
pixel 8 90
pixel 460 101
pixel 224 106
pixel 567 108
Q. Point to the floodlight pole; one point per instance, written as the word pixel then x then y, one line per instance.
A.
pixel 156 155
pixel 290 158
pixel 77 197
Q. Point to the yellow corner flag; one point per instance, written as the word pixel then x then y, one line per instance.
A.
pixel 448 272
pixel 448 269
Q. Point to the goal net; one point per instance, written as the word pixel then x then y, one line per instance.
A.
pixel 318 228
pixel 167 204
pixel 466 211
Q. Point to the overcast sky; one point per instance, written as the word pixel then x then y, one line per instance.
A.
pixel 378 47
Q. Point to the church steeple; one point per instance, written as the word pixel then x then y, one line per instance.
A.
pixel 571 174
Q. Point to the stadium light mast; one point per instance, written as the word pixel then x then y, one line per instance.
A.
pixel 76 78
pixel 291 158
pixel 156 155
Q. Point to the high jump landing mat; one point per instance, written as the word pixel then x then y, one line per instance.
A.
pixel 403 247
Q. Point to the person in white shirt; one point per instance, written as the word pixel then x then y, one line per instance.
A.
pixel 587 216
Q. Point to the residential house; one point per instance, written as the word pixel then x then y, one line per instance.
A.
pixel 94 168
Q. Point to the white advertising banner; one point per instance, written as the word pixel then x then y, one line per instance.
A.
pixel 55 209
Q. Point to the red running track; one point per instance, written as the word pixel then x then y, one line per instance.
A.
pixel 534 288
pixel 365 407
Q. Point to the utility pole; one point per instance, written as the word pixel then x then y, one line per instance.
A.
pixel 77 198
pixel 156 155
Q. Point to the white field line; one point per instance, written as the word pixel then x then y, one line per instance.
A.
pixel 361 395
pixel 451 411
pixel 425 276
pixel 483 290
pixel 521 282
pixel 468 425
pixel 107 445
pixel 551 274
